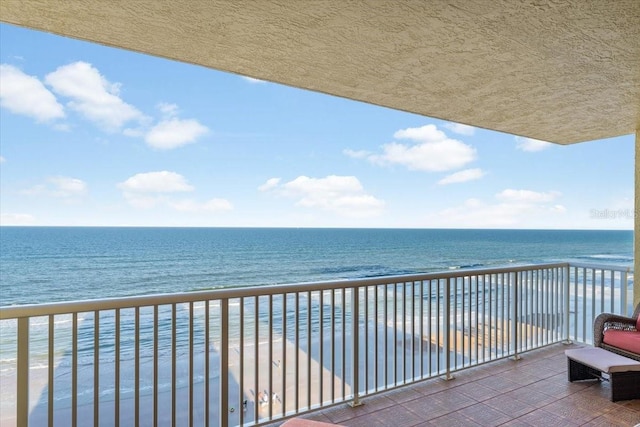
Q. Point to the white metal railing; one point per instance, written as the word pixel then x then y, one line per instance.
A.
pixel 247 356
pixel 595 289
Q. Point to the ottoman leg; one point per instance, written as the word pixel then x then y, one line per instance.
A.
pixel 625 385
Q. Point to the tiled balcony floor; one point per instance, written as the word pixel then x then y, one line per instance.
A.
pixel 533 391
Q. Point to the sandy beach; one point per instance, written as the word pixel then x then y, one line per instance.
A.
pixel 259 387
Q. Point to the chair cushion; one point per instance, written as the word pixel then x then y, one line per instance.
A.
pixel 626 340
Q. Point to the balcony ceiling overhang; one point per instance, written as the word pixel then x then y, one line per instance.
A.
pixel 561 71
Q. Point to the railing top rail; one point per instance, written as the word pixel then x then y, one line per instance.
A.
pixel 620 268
pixel 66 307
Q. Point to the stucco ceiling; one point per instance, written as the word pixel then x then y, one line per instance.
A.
pixel 563 71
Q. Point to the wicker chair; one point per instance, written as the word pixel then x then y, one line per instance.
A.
pixel 606 321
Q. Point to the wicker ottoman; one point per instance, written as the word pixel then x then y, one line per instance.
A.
pixel 592 362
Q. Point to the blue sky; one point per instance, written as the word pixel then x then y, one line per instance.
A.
pixel 92 135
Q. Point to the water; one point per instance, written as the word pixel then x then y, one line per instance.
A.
pixel 46 264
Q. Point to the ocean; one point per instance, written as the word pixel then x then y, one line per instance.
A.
pixel 47 264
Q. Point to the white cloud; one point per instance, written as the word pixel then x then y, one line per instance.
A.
pixel 2 159
pixel 151 189
pixel 168 110
pixel 270 184
pixel 332 184
pixel 514 208
pixel 356 154
pixel 68 187
pixel 36 190
pixel 26 95
pixel 531 145
pixel 59 186
pixel 431 157
pixel 252 80
pixel 213 205
pixel 173 133
pixel 156 182
pixel 475 213
pixel 426 133
pixel 460 128
pixel 92 95
pixel 16 219
pixel 527 196
pixel 432 151
pixel 343 195
pixel 462 176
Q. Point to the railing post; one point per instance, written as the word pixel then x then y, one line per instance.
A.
pixel 355 346
pixel 514 316
pixel 623 292
pixel 446 344
pixel 224 362
pixel 567 306
pixel 23 372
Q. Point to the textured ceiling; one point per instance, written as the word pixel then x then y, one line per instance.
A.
pixel 561 71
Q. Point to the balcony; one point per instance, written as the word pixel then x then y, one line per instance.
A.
pixel 531 392
pixel 268 353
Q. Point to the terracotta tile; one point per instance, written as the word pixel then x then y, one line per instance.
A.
pixel 478 392
pixel 558 360
pixel 484 415
pixel 404 394
pixel 516 423
pixel 532 397
pixel 345 412
pixel 454 419
pixel 499 366
pixel 342 412
pixel 604 422
pixel 509 405
pixel 395 416
pixel 568 409
pixel 623 415
pixel 453 400
pixel 540 371
pixel 520 377
pixel 499 384
pixel 557 388
pixel 436 385
pixel 540 417
pixel 599 389
pixel 464 378
pixel 319 417
pixel 313 417
pixel 592 402
pixel 630 404
pixel 426 409
pixel 561 378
